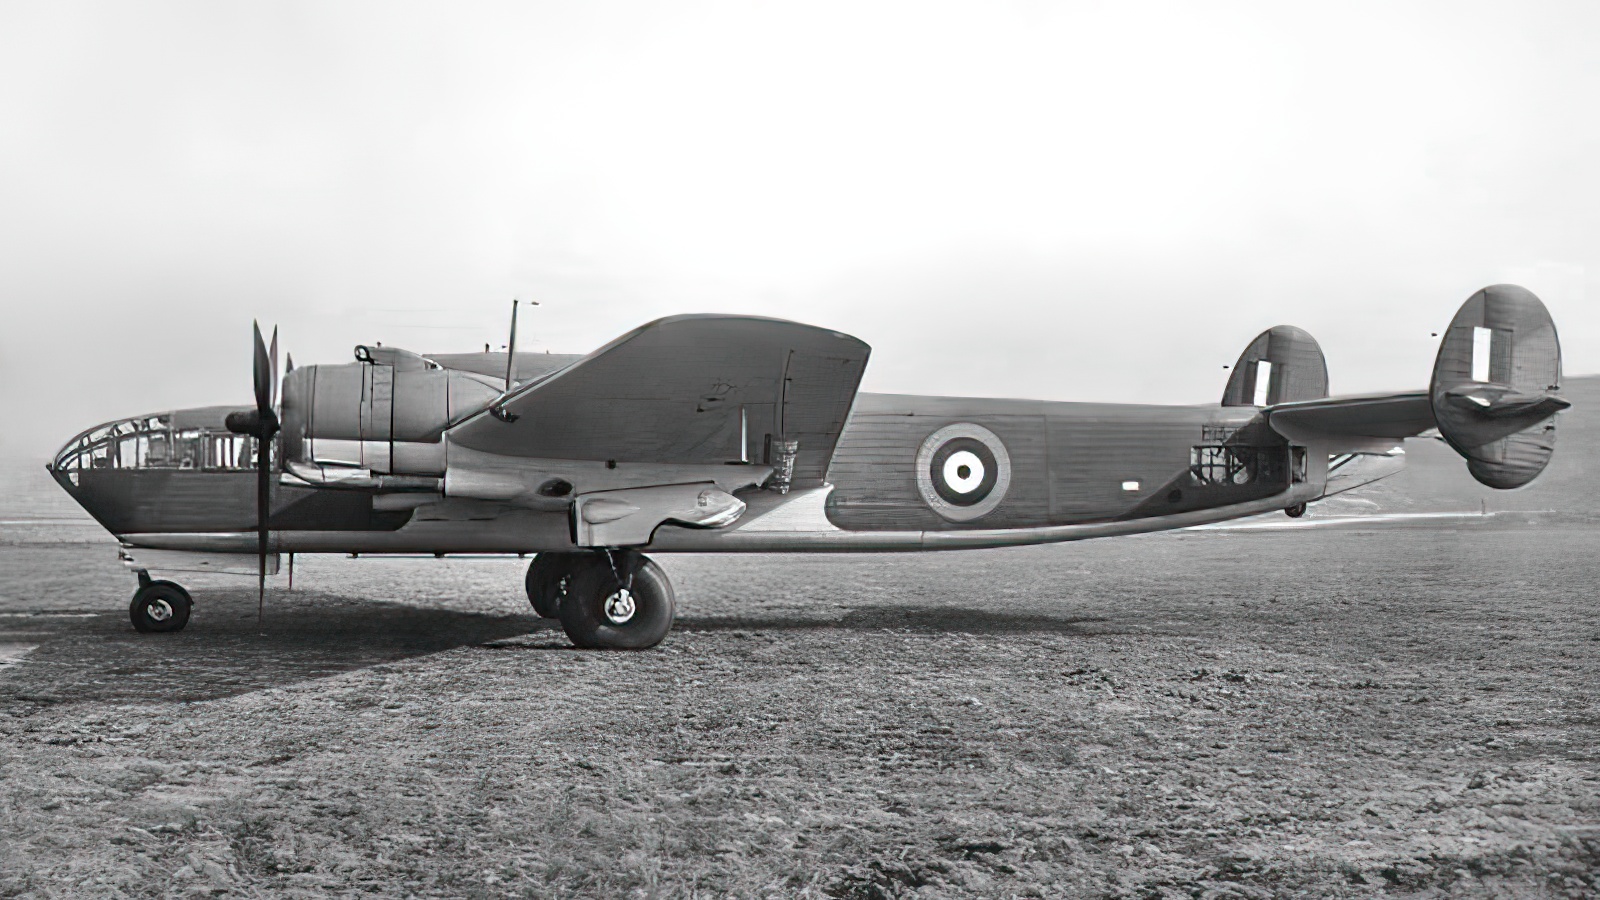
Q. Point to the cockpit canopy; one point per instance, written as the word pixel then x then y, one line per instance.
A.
pixel 188 439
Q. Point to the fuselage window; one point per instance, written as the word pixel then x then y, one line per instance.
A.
pixel 1218 464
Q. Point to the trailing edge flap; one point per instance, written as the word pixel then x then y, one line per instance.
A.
pixel 687 389
pixel 1350 420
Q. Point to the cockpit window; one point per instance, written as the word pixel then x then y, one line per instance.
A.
pixel 153 442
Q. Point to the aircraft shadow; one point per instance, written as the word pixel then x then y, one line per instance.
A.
pixel 930 619
pixel 224 652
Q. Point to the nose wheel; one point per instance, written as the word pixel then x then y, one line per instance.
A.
pixel 159 606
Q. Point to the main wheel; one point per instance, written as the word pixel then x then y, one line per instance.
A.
pixel 600 611
pixel 1295 511
pixel 160 606
pixel 547 580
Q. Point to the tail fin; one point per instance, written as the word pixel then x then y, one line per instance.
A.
pixel 1281 365
pixel 1495 383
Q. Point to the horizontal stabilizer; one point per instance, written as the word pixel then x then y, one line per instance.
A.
pixel 688 389
pixel 1386 416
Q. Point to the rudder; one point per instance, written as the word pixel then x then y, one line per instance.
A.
pixel 1290 360
pixel 1494 385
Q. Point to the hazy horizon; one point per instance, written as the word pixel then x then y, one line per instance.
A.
pixel 1071 202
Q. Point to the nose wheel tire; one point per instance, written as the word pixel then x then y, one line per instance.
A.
pixel 160 606
pixel 625 606
pixel 548 577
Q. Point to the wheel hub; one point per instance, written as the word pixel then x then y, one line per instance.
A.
pixel 620 607
pixel 159 610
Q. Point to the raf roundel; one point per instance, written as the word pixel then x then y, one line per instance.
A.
pixel 963 471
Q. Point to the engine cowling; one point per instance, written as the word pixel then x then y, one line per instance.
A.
pixel 385 413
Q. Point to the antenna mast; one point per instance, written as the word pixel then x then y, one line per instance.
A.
pixel 511 344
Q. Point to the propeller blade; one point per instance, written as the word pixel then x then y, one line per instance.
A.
pixel 263 510
pixel 272 358
pixel 262 370
pixel 265 372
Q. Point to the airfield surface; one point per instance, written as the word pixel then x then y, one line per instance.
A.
pixel 1344 711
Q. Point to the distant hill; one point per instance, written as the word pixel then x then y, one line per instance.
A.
pixel 1436 478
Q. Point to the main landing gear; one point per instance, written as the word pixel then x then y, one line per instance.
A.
pixel 159 606
pixel 608 599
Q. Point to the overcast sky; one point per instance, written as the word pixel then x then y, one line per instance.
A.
pixel 1053 200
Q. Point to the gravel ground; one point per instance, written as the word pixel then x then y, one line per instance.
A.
pixel 1384 711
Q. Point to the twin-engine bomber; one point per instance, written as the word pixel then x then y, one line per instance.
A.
pixel 717 433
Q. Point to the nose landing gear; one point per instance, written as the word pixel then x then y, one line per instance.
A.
pixel 159 606
pixel 619 600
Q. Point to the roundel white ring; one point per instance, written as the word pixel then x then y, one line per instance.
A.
pixel 963 471
pixel 962 474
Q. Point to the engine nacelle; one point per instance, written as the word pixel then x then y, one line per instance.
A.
pixel 384 413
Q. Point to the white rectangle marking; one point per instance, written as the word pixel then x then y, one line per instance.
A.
pixel 1130 485
pixel 1482 351
pixel 1263 381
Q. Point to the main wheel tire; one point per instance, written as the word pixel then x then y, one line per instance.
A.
pixel 548 577
pixel 599 613
pixel 160 606
pixel 1295 511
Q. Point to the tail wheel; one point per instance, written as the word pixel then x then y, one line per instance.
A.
pixel 160 606
pixel 548 578
pixel 620 601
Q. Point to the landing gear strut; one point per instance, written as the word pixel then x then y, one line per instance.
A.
pixel 607 599
pixel 159 606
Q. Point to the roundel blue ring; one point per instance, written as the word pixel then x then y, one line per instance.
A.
pixel 929 482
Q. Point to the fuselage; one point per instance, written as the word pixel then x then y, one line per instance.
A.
pixel 1036 471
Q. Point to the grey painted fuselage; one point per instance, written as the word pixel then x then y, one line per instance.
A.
pixel 1077 470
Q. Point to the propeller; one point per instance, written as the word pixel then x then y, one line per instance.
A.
pixel 261 423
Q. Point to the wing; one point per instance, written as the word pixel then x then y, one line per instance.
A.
pixel 687 389
pixel 1353 424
